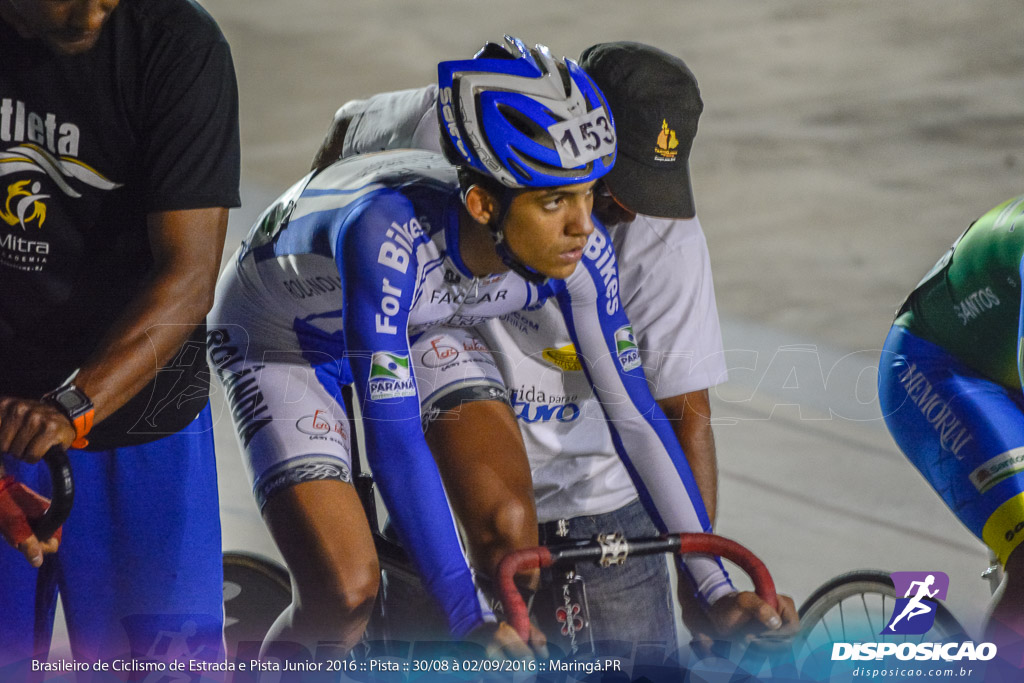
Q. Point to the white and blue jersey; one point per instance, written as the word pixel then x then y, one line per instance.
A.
pixel 333 285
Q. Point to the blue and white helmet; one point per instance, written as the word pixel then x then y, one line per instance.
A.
pixel 526 119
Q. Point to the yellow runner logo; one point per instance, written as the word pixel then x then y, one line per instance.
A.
pixel 667 142
pixel 564 358
pixel 15 213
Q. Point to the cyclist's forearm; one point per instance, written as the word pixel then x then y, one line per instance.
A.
pixel 411 488
pixel 690 415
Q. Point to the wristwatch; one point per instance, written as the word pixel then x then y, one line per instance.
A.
pixel 78 408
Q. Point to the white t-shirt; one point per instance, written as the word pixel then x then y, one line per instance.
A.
pixel 668 295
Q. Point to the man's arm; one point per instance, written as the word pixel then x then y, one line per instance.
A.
pixel 690 415
pixel 176 296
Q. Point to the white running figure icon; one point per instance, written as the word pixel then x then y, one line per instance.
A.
pixel 914 607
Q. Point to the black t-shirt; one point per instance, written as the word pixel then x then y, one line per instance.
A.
pixel 90 144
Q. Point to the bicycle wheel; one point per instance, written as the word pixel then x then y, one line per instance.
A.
pixel 855 607
pixel 256 591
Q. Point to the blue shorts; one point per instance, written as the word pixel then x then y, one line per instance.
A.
pixel 964 432
pixel 139 570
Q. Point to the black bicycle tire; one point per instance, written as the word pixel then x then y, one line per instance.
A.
pixel 246 620
pixel 844 585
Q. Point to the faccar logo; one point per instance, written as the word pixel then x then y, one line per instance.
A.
pixel 914 613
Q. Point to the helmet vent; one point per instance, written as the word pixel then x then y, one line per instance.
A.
pixel 524 125
pixel 563 71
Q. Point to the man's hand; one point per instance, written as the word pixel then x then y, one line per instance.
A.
pixel 500 641
pixel 739 616
pixel 28 429
pixel 19 504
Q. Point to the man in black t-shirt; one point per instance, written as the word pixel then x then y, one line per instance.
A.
pixel 118 159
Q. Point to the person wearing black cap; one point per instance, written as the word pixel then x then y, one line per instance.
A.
pixel 580 485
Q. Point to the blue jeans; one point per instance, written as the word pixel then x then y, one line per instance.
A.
pixel 630 606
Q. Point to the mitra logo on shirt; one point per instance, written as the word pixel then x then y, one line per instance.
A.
pixel 626 349
pixel 390 376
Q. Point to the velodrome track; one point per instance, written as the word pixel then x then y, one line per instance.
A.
pixel 843 146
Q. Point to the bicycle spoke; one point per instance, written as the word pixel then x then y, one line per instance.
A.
pixel 867 614
pixel 842 620
pixel 828 631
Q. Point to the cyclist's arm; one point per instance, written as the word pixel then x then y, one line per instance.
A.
pixel 668 293
pixel 690 417
pixel 186 247
pixel 402 465
pixel 641 434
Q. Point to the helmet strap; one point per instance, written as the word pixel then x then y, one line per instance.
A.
pixel 511 260
pixel 507 256
pixel 503 197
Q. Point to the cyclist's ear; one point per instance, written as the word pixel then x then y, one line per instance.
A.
pixel 481 204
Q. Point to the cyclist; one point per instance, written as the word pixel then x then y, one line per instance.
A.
pixel 580 484
pixel 950 391
pixel 120 157
pixel 355 262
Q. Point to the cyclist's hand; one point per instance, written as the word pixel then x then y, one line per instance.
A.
pixel 30 428
pixel 745 615
pixel 740 616
pixel 19 504
pixel 500 641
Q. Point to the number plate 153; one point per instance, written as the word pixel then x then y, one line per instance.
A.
pixel 584 138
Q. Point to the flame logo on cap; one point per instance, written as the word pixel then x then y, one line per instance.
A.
pixel 667 143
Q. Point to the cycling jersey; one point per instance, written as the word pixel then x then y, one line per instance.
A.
pixel 346 269
pixel 970 302
pixel 950 378
pixel 668 295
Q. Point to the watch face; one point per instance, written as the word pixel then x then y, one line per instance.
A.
pixel 72 401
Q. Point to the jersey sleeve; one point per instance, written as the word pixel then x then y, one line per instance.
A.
pixel 376 256
pixel 669 295
pixel 640 432
pixel 1020 325
pixel 190 151
pixel 392 120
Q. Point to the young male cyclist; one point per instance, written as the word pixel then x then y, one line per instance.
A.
pixel 355 263
pixel 950 389
pixel 581 485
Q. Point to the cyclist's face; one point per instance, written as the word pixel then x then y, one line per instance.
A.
pixel 67 27
pixel 547 229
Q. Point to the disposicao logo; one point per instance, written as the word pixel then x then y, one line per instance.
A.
pixel 914 613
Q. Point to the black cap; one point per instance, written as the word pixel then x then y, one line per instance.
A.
pixel 656 103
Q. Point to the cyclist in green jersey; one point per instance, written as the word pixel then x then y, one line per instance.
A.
pixel 950 388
